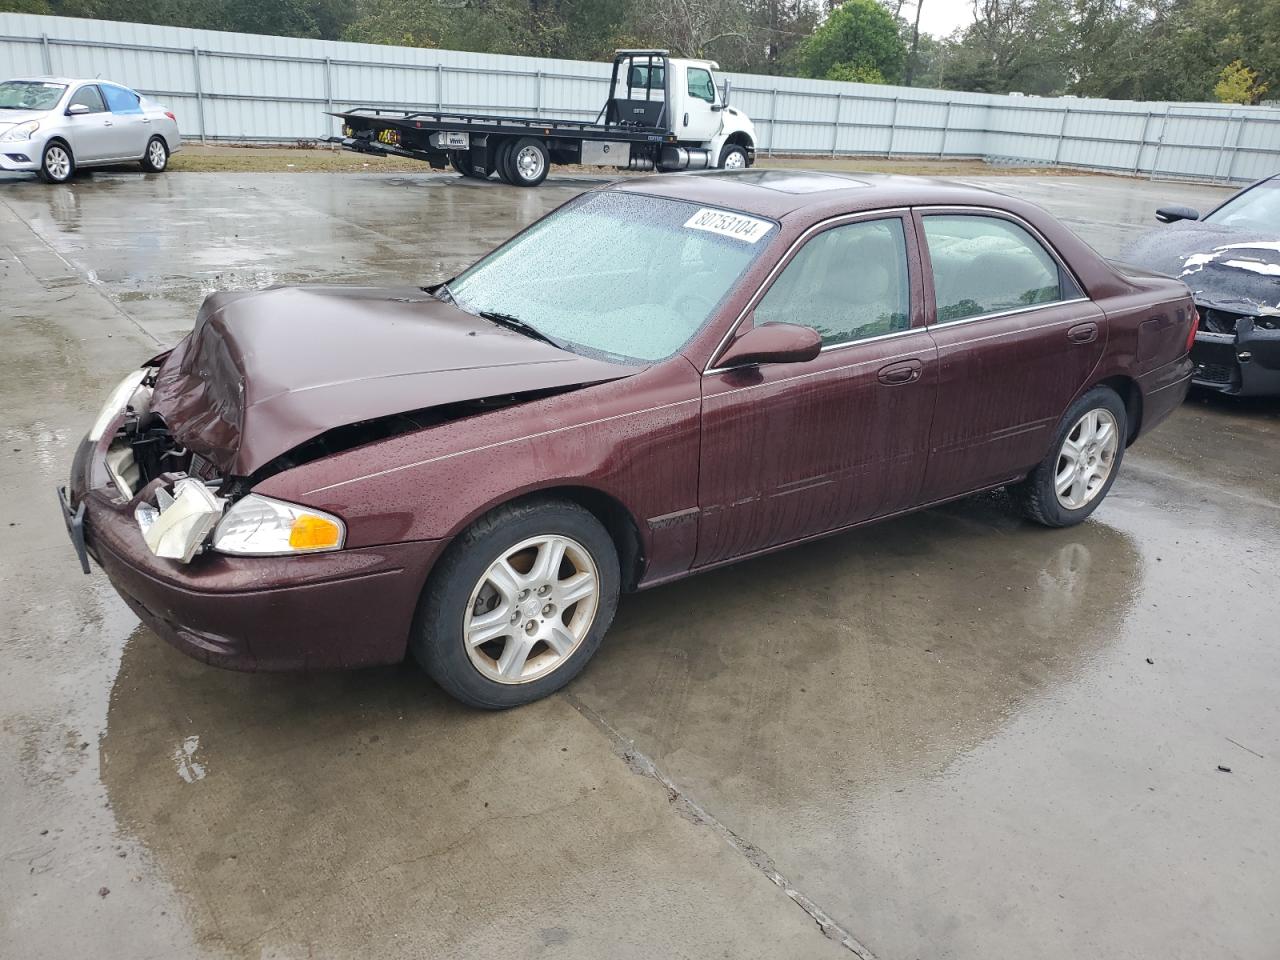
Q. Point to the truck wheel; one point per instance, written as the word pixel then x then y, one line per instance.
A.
pixel 501 161
pixel 528 162
pixel 733 157
pixel 461 162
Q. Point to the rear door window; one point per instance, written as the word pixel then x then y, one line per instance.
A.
pixel 984 265
pixel 90 97
pixel 121 100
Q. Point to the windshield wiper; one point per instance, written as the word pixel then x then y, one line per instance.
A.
pixel 515 323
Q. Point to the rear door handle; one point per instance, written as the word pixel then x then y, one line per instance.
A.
pixel 904 371
pixel 106 123
pixel 1083 333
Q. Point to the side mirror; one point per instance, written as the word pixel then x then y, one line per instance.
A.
pixel 1176 213
pixel 76 109
pixel 724 93
pixel 772 343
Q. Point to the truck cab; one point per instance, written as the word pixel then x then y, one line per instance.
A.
pixel 649 88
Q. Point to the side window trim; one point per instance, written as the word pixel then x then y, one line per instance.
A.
pixel 86 87
pixel 916 288
pixel 926 260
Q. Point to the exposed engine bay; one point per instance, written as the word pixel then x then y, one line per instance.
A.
pixel 185 495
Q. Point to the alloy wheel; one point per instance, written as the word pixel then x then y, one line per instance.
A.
pixel 1086 459
pixel 529 163
pixel 531 609
pixel 58 162
pixel 157 154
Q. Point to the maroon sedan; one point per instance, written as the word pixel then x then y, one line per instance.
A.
pixel 660 377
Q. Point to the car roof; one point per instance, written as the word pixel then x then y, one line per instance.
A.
pixel 64 80
pixel 778 194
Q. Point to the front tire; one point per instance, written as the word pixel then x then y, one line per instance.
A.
pixel 1082 464
pixel 57 164
pixel 156 158
pixel 518 604
pixel 733 157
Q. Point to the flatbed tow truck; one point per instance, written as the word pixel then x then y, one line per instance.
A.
pixel 663 113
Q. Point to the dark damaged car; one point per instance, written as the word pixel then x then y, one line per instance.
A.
pixel 1230 258
pixel 656 379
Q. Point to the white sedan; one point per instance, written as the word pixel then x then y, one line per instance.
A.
pixel 52 125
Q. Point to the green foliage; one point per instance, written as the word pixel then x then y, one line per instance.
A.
pixel 1238 84
pixel 860 38
pixel 854 73
pixel 1123 49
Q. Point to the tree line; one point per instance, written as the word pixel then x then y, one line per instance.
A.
pixel 1225 50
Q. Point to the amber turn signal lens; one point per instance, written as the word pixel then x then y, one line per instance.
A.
pixel 310 532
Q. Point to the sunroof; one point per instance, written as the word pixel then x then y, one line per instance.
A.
pixel 791 181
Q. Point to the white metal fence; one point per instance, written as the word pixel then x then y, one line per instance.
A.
pixel 232 86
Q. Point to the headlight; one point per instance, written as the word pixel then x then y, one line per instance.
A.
pixel 21 131
pixel 116 404
pixel 258 526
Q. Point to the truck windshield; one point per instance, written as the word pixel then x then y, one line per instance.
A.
pixel 29 94
pixel 621 275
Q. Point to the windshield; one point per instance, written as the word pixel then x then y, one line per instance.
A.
pixel 627 276
pixel 1258 208
pixel 30 94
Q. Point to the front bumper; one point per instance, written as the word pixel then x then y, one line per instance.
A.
pixel 20 155
pixel 1244 363
pixel 350 608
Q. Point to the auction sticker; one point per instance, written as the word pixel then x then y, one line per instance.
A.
pixel 735 225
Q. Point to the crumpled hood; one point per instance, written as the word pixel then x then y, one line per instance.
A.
pixel 264 371
pixel 1225 267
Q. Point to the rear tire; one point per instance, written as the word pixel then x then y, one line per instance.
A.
pixel 501 159
pixel 461 162
pixel 57 163
pixel 156 158
pixel 528 163
pixel 1081 465
pixel 521 573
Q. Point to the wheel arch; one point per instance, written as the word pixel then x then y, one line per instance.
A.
pixel 1131 394
pixel 617 519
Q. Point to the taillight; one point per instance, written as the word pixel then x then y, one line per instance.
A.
pixel 169 114
pixel 1195 325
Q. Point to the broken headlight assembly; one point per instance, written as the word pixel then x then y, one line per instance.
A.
pixel 258 526
pixel 117 403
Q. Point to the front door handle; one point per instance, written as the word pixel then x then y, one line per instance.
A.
pixel 904 371
pixel 1083 333
pixel 106 123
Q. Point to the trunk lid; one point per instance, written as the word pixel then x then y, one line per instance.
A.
pixel 264 371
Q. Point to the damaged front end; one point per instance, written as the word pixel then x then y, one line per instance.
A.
pixel 1237 348
pixel 182 504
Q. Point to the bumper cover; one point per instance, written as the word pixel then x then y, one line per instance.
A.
pixel 350 608
pixel 1244 363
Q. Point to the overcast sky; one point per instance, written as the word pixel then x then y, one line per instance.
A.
pixel 940 17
